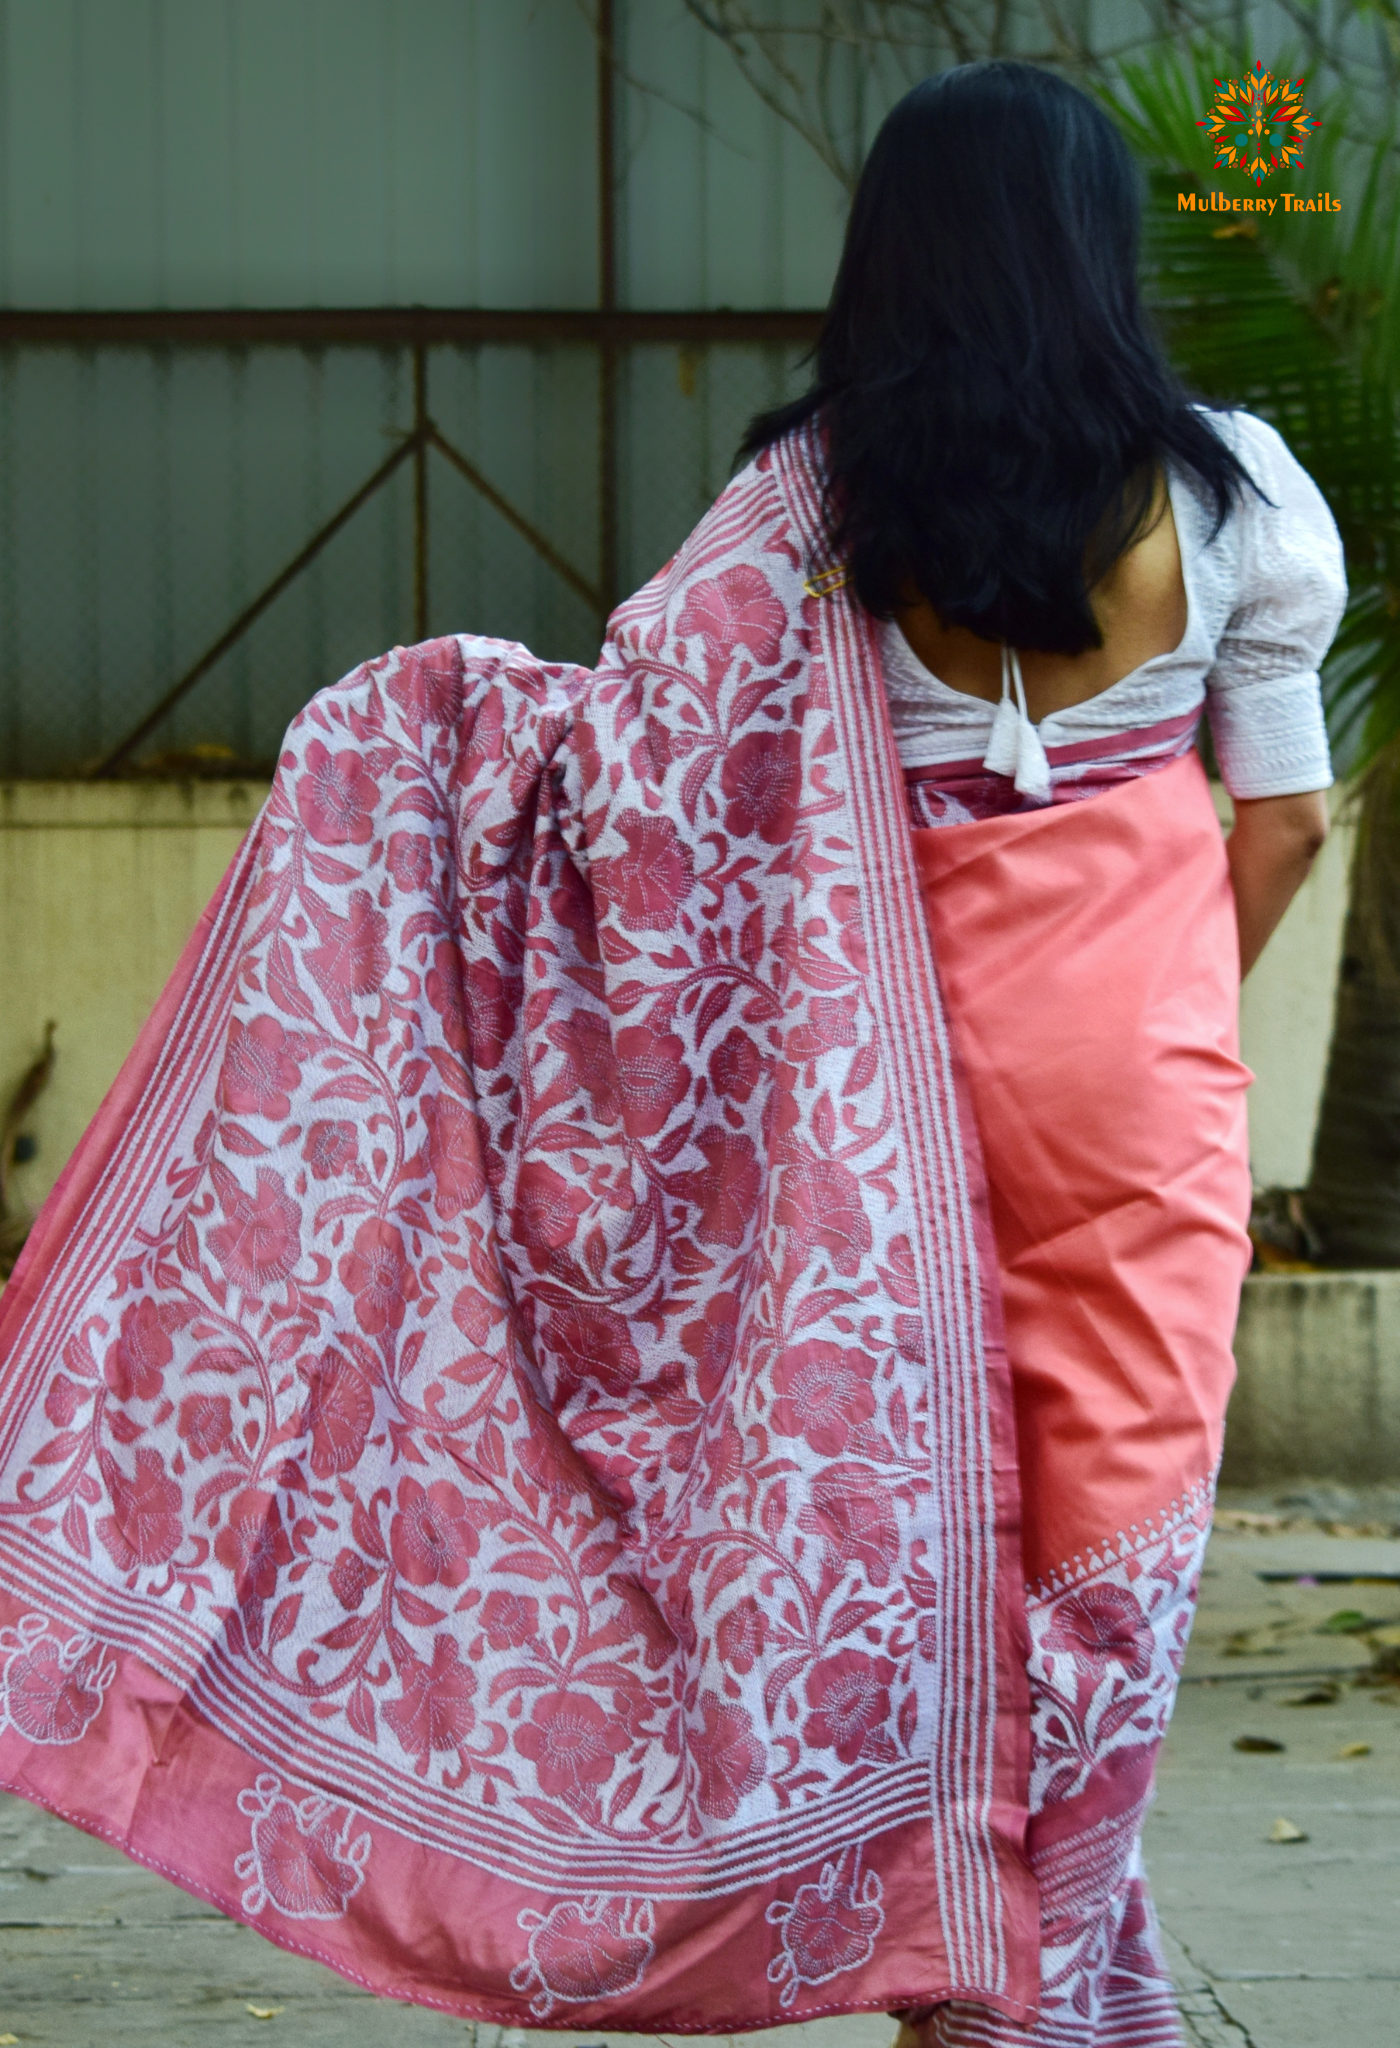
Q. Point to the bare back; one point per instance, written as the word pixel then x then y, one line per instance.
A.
pixel 1140 607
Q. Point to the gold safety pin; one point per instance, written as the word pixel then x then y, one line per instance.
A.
pixel 827 582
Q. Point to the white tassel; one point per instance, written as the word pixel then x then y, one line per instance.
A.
pixel 1015 747
pixel 1032 766
pixel 1004 747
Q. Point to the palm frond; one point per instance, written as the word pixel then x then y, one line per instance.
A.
pixel 1297 316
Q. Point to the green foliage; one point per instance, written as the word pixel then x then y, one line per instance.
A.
pixel 1297 316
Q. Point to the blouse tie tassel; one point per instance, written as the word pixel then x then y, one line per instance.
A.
pixel 1015 747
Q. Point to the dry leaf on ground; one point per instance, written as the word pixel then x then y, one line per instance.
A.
pixel 1258 1745
pixel 264 2012
pixel 1286 1831
pixel 1353 1749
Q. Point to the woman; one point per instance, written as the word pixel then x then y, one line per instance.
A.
pixel 1068 560
pixel 510 1477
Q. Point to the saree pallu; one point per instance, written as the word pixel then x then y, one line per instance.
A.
pixel 507 1462
pixel 1089 961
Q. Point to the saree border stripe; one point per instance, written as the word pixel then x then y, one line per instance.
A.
pixel 919 1057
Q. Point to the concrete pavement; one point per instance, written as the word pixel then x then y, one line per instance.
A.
pixel 1275 1944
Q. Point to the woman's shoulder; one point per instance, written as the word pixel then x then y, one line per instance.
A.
pixel 1281 516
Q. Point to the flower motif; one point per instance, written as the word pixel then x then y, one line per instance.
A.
pixel 253 1545
pixel 63 1400
pixel 339 1412
pixel 476 1003
pixel 430 1538
pixel 727 1757
pixel 830 1024
pixel 260 1241
pixel 586 1042
pixel 819 1202
pixel 260 1073
pixel 854 1517
pixel 850 1699
pixel 336 796
pixel 145 1525
pixel 742 1635
pixel 547 1209
pixel 510 1619
pixel 352 959
pixel 474 1315
pixel 331 1148
pixel 647 884
pixel 427 686
pixel 134 1367
pixel 205 1424
pixel 737 608
pixel 351 1578
pixel 762 778
pixel 712 1341
pixel 454 1155
pixel 652 1078
pixel 736 1065
pixel 593 1346
pixel 823 1394
pixel 728 1189
pixel 1099 1623
pixel 51 1690
pixel 572 1743
pixel 572 904
pixel 409 859
pixel 434 1710
pixel 377 1272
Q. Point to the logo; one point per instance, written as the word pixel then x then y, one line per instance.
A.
pixel 1258 124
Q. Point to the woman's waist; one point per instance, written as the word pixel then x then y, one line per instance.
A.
pixel 946 784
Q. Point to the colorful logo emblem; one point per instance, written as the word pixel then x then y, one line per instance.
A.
pixel 1258 124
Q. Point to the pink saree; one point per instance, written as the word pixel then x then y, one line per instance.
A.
pixel 1089 960
pixel 508 1461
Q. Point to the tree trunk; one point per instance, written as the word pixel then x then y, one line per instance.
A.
pixel 1352 1200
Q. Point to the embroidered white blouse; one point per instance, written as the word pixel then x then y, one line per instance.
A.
pixel 1263 601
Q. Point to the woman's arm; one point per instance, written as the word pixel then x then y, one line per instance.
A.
pixel 1275 841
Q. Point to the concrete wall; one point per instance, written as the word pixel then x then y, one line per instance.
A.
pixel 1318 1393
pixel 100 885
pixel 1286 1016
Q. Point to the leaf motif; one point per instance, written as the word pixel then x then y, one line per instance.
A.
pixel 852 1616
pixel 284 1619
pixel 531 1564
pixel 63 1446
pixel 420 1612
pixel 75 1529
pixel 359 1711
pixel 282 984
pixel 349 1087
pixel 347 1633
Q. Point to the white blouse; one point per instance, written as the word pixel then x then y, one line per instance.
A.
pixel 1262 599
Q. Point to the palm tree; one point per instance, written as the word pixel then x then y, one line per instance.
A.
pixel 1297 317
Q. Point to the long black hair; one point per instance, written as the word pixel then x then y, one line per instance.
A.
pixel 996 405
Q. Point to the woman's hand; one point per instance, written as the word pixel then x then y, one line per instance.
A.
pixel 1275 841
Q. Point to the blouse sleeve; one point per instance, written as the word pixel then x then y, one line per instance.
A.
pixel 1263 694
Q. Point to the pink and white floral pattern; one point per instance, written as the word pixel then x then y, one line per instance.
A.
pixel 1106 1655
pixel 828 1927
pixel 584 1949
pixel 521 1348
pixel 51 1686
pixel 304 1860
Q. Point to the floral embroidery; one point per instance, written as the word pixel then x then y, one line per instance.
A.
pixel 584 1949
pixel 51 1689
pixel 826 1928
pixel 302 1861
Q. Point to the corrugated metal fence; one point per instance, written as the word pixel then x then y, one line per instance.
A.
pixel 158 475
